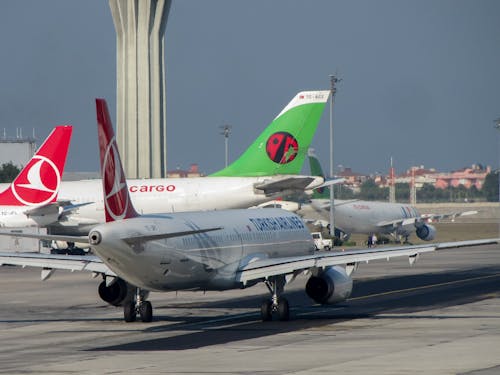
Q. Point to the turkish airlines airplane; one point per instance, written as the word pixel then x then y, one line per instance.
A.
pixel 359 216
pixel 31 199
pixel 267 169
pixel 214 250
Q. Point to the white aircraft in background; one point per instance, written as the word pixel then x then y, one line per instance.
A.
pixel 359 216
pixel 267 169
pixel 215 250
pixel 31 199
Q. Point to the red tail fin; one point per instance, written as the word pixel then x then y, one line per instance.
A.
pixel 38 182
pixel 117 201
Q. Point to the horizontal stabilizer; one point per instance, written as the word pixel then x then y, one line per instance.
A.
pixel 54 208
pixel 330 182
pixel 45 210
pixel 152 237
pixel 289 183
pixel 69 207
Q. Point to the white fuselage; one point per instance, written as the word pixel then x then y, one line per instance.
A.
pixel 207 261
pixel 366 217
pixel 150 196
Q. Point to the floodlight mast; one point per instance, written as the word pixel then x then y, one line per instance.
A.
pixel 497 126
pixel 333 90
pixel 226 131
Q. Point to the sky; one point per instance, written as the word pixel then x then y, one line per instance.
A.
pixel 420 79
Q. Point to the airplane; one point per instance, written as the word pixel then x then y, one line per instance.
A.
pixel 31 199
pixel 202 250
pixel 368 217
pixel 269 168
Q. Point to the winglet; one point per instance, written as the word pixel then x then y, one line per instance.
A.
pixel 117 203
pixel 38 182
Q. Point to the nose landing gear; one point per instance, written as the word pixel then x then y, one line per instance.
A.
pixel 138 306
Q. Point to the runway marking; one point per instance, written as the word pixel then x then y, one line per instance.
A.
pixel 423 287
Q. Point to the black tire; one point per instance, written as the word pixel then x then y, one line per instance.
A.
pixel 283 310
pixel 266 310
pixel 146 312
pixel 129 313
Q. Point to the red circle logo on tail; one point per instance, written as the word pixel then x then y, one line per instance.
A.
pixel 115 187
pixel 282 147
pixel 38 183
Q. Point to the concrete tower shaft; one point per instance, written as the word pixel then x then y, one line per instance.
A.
pixel 141 94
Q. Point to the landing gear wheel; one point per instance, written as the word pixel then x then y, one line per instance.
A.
pixel 266 310
pixel 283 310
pixel 129 313
pixel 146 311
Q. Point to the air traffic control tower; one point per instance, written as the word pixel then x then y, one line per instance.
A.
pixel 140 70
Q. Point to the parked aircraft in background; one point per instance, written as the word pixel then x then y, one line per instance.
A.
pixel 359 216
pixel 215 250
pixel 267 169
pixel 31 199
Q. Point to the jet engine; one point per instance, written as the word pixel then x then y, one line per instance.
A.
pixel 426 232
pixel 330 286
pixel 117 293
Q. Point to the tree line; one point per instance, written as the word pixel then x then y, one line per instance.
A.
pixel 369 190
pixel 8 172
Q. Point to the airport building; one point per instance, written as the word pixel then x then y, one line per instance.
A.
pixel 17 150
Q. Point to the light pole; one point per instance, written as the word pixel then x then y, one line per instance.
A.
pixel 226 130
pixel 497 126
pixel 333 90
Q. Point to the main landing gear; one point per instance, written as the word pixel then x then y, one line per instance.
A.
pixel 275 305
pixel 138 306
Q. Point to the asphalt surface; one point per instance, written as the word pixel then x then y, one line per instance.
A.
pixel 441 316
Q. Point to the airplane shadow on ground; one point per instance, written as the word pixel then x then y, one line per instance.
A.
pixel 400 295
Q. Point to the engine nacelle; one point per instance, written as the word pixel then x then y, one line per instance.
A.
pixel 331 286
pixel 117 293
pixel 426 232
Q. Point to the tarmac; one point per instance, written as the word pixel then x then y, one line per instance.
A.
pixel 440 316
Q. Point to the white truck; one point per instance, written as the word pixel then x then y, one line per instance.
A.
pixel 320 242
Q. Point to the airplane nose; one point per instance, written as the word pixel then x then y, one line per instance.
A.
pixel 95 237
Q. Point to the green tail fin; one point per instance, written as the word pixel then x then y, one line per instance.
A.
pixel 316 170
pixel 281 148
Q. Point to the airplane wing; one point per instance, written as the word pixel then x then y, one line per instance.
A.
pixel 423 218
pixel 51 262
pixel 289 183
pixel 48 237
pixel 397 223
pixel 452 216
pixel 265 268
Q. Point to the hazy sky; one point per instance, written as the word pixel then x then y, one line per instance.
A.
pixel 421 79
